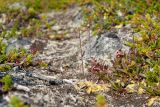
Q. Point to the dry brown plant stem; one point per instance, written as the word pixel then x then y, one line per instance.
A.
pixel 80 43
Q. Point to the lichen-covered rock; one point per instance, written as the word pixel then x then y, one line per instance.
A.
pixel 102 46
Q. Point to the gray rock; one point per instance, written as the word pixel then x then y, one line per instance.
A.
pixel 3 103
pixel 18 43
pixel 102 46
pixel 77 20
pixel 56 28
pixel 18 6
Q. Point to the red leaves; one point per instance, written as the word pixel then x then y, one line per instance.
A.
pixel 97 67
pixel 119 53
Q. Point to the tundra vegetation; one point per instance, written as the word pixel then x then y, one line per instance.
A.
pixel 136 71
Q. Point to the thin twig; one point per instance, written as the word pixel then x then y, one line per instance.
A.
pixel 15 64
pixel 89 39
pixel 80 42
pixel 135 51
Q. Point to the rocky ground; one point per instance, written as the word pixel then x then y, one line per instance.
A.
pixel 55 86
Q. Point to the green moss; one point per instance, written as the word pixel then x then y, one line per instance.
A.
pixel 16 102
pixel 101 101
pixel 5 67
pixel 7 83
pixel 152 77
pixel 3 58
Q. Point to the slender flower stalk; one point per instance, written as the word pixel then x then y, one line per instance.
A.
pixel 81 51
